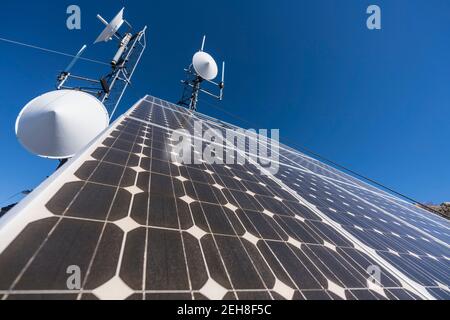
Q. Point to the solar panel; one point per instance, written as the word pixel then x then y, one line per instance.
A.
pixel 139 226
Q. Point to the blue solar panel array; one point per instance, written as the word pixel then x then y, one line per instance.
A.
pixel 138 225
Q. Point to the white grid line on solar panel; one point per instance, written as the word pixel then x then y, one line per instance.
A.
pixel 388 241
pixel 217 247
pixel 315 233
pixel 18 278
pixel 429 219
pixel 424 273
pixel 55 182
pixel 44 242
pixel 216 181
pixel 382 194
pixel 302 164
pixel 194 179
pixel 365 186
pixel 203 140
pixel 355 241
pixel 405 211
pixel 218 144
pixel 417 216
pixel 344 200
pixel 338 177
pixel 366 203
pixel 359 183
pixel 305 158
pixel 294 165
pixel 105 223
pixel 352 293
pixel 147 233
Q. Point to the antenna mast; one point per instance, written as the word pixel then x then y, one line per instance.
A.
pixel 110 88
pixel 202 70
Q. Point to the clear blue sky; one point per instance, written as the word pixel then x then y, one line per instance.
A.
pixel 375 101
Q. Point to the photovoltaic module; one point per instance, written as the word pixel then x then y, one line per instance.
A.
pixel 140 226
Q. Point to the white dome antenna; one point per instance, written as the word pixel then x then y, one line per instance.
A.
pixel 58 124
pixel 203 69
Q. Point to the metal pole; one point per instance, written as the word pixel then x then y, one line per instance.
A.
pixel 194 99
pixel 138 39
pixel 203 43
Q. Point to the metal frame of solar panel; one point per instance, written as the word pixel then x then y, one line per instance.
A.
pixel 139 226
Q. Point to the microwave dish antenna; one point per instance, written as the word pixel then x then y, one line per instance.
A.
pixel 203 69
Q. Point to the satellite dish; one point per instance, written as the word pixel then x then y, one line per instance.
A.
pixel 58 124
pixel 111 28
pixel 205 66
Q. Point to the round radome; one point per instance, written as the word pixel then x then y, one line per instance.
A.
pixel 59 124
pixel 205 66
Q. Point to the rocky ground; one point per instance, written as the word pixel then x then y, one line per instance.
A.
pixel 443 209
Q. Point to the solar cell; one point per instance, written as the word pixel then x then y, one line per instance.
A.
pixel 140 226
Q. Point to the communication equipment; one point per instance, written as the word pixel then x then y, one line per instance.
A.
pixel 111 28
pixel 203 69
pixel 110 88
pixel 58 124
